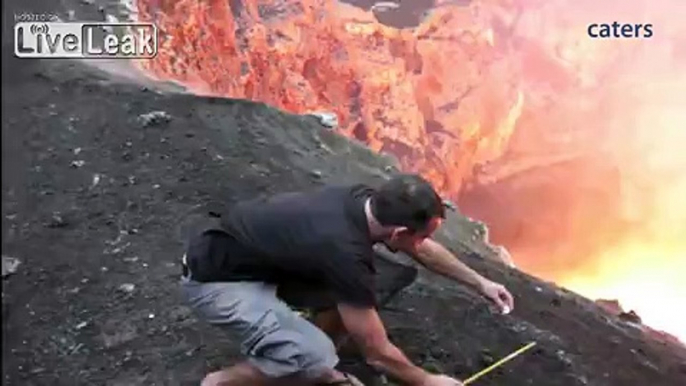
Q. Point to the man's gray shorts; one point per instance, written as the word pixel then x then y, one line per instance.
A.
pixel 275 339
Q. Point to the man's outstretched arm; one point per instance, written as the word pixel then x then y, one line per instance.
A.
pixel 439 259
pixel 367 330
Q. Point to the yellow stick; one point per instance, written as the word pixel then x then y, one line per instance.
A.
pixel 498 363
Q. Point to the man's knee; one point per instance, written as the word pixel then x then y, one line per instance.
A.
pixel 320 354
pixel 300 350
pixel 287 345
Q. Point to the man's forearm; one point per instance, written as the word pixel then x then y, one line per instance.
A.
pixel 390 360
pixel 439 259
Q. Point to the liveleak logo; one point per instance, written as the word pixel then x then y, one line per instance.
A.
pixel 85 40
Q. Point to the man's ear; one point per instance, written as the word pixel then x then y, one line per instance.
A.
pixel 397 231
pixel 394 240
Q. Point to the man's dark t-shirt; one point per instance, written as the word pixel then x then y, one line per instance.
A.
pixel 319 237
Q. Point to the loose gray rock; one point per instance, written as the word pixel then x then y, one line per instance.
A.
pixel 154 118
pixel 127 288
pixel 77 163
pixel 9 265
pixel 327 119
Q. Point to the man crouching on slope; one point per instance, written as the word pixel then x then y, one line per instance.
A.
pixel 324 240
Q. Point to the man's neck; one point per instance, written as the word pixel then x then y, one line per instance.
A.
pixel 376 230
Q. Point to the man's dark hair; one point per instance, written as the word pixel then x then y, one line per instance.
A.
pixel 406 200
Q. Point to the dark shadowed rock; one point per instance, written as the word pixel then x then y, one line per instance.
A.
pixel 630 316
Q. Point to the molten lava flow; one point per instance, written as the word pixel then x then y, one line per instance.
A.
pixel 568 147
pixel 393 89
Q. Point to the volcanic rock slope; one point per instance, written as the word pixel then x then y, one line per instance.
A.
pixel 92 197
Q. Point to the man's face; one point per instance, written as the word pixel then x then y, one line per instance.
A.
pixel 409 238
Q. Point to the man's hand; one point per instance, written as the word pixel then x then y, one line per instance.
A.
pixel 441 380
pixel 439 259
pixel 367 330
pixel 499 295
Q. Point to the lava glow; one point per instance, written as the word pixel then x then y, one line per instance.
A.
pixel 646 268
pixel 490 94
pixel 646 276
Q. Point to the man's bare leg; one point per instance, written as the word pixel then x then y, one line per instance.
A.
pixel 331 323
pixel 245 374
